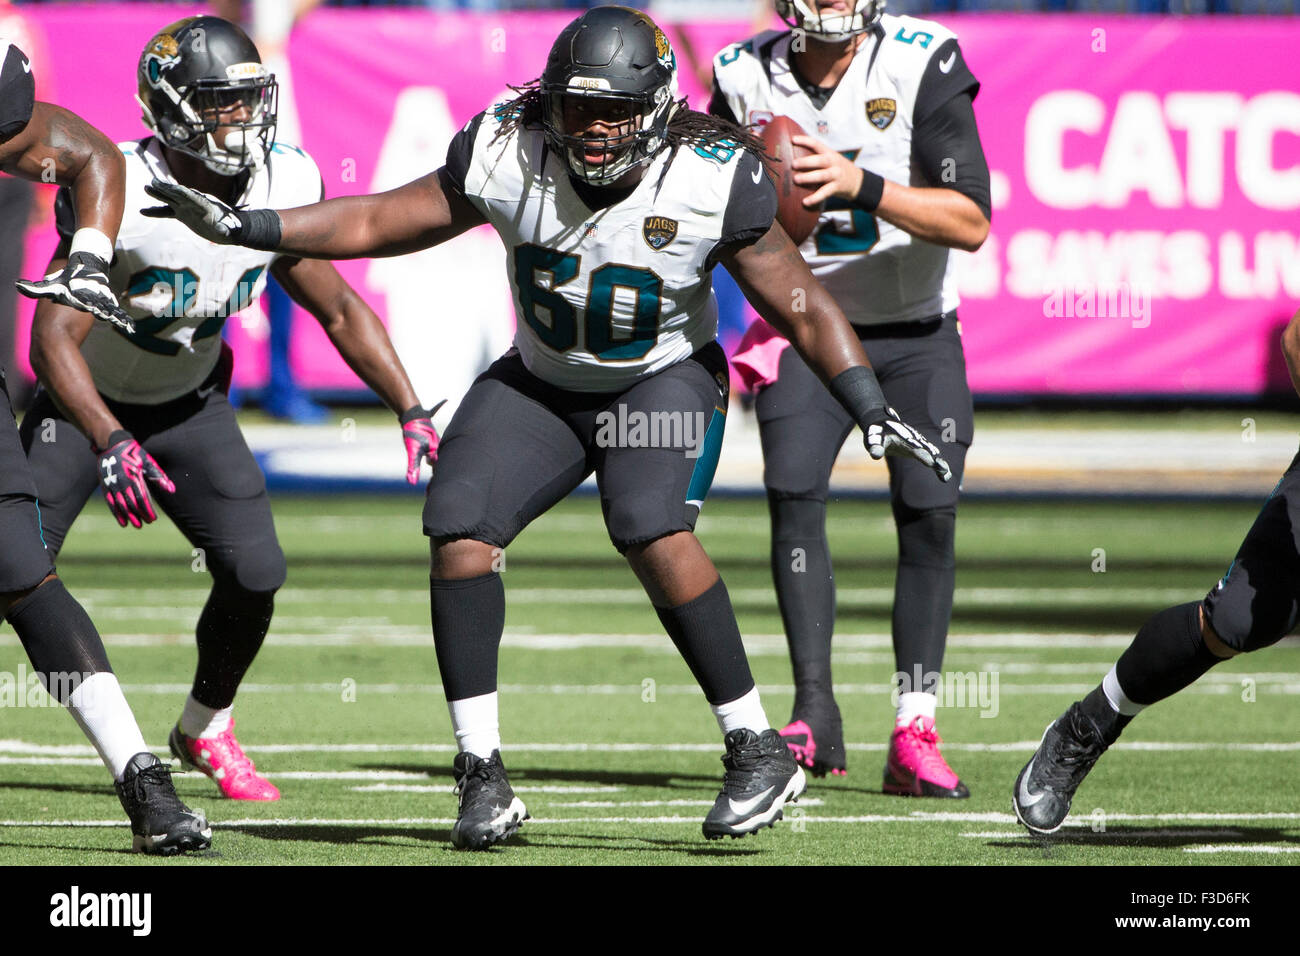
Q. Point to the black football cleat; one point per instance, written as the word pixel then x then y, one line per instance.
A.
pixel 815 735
pixel 1043 792
pixel 489 810
pixel 762 776
pixel 160 824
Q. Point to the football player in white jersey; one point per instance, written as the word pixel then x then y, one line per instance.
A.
pixel 143 414
pixel 62 643
pixel 900 170
pixel 614 200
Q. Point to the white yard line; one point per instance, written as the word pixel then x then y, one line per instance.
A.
pixel 1241 848
pixel 918 817
pixel 24 752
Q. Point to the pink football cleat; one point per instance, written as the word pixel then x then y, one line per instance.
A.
pixel 916 768
pixel 222 759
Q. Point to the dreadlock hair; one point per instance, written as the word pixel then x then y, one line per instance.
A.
pixel 686 127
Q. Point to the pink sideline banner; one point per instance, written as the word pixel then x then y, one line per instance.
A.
pixel 1146 179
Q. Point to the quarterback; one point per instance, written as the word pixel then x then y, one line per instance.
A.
pixel 899 168
pixel 60 640
pixel 614 201
pixel 142 413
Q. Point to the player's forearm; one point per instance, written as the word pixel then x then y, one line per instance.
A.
pixel 363 342
pixel 944 217
pixel 350 227
pixel 57 361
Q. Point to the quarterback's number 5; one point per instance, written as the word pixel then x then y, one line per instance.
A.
pixel 561 332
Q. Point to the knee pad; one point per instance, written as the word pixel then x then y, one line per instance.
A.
pixel 926 537
pixel 1246 625
pixel 257 568
pixel 796 516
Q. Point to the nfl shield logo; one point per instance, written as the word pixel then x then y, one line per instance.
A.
pixel 823 127
pixel 881 112
pixel 658 231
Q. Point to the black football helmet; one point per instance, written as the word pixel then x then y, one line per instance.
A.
pixel 618 56
pixel 193 77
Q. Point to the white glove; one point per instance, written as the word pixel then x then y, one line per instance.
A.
pixel 889 435
pixel 83 282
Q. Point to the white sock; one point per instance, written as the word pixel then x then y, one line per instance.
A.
pixel 101 711
pixel 746 711
pixel 1116 698
pixel 199 720
pixel 475 722
pixel 915 704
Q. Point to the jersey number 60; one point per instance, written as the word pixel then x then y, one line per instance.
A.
pixel 561 333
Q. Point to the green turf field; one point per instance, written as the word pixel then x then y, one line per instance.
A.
pixel 607 739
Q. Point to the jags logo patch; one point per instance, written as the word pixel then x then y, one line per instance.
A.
pixel 663 51
pixel 162 53
pixel 658 231
pixel 881 112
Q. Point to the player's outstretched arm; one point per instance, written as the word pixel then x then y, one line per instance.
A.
pixel 779 285
pixel 58 146
pixel 360 337
pixel 416 216
pixel 125 470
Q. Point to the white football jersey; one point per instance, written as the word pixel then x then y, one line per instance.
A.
pixel 177 287
pixel 875 271
pixel 605 297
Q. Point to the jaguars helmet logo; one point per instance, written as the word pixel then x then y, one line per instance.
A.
pixel 658 231
pixel 881 111
pixel 664 51
pixel 161 54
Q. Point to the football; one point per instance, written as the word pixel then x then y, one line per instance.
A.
pixel 797 220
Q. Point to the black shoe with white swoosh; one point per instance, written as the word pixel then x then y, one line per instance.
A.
pixel 1070 747
pixel 762 777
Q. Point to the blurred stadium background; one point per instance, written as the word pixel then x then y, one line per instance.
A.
pixel 1146 156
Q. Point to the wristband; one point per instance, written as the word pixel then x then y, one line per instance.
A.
pixel 259 229
pixel 859 392
pixel 412 413
pixel 869 193
pixel 118 436
pixel 92 242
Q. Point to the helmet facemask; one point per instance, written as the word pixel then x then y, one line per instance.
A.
pixel 228 125
pixel 639 122
pixel 829 25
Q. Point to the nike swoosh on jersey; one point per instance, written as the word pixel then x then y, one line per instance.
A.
pixel 946 65
pixel 27 66
pixel 758 174
pixel 1026 798
pixel 746 807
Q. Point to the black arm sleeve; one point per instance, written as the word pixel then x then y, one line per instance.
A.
pixel 718 103
pixel 460 151
pixel 945 140
pixel 17 92
pixel 65 215
pixel 751 207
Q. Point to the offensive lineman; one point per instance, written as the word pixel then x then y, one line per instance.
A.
pixel 613 200
pixel 899 166
pixel 1254 605
pixel 148 407
pixel 63 645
